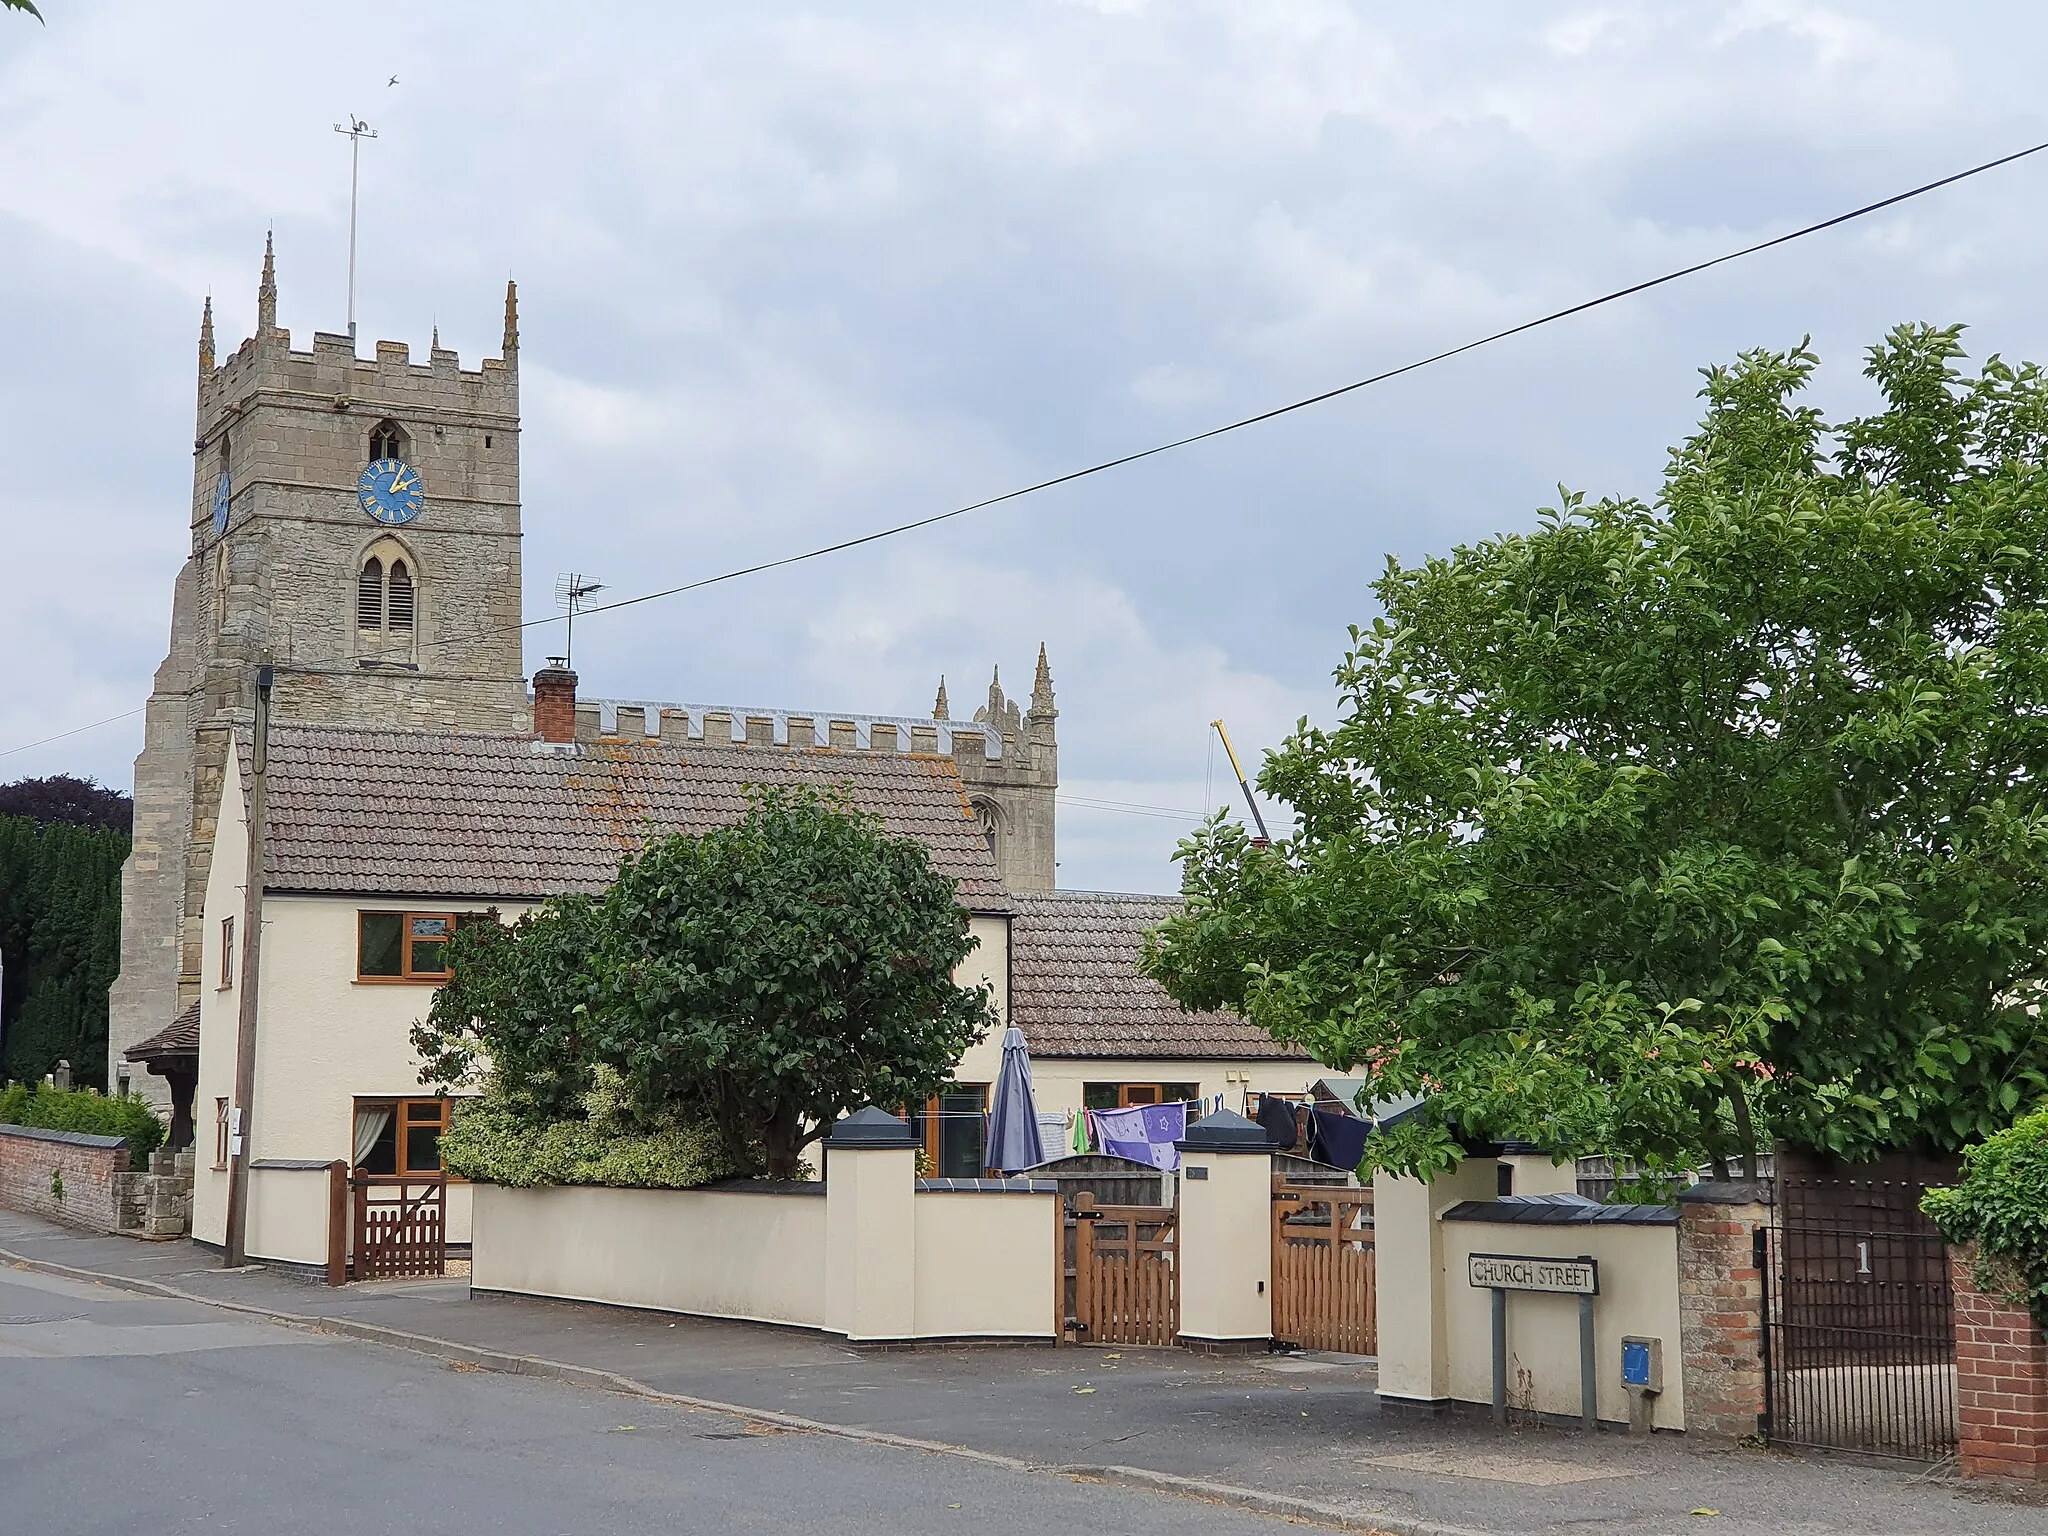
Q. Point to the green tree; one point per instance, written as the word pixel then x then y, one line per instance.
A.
pixel 1662 830
pixel 60 945
pixel 761 979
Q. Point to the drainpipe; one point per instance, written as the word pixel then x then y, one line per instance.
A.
pixel 240 1126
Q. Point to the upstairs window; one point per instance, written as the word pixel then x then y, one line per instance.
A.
pixel 407 946
pixel 370 596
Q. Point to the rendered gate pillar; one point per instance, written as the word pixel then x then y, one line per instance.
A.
pixel 871 1227
pixel 1720 1305
pixel 1415 1367
pixel 1224 1249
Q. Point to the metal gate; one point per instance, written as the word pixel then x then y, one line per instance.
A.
pixel 1126 1287
pixel 1325 1268
pixel 1859 1343
pixel 400 1225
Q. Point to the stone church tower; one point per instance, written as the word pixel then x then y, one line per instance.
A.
pixel 399 623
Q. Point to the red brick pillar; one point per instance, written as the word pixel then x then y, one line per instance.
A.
pixel 1720 1306
pixel 2001 1383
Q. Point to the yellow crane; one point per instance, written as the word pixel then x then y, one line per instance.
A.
pixel 1242 783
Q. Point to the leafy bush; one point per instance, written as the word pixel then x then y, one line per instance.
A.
pixel 87 1113
pixel 2001 1205
pixel 763 978
pixel 493 1141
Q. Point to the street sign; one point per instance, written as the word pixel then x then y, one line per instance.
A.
pixel 1533 1272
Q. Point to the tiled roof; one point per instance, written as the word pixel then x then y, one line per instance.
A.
pixel 177 1038
pixel 402 813
pixel 1075 988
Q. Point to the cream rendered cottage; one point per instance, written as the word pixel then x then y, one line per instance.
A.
pixel 380 842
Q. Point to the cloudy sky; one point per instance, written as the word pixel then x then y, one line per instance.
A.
pixel 790 272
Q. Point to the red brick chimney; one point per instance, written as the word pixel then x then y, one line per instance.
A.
pixel 554 701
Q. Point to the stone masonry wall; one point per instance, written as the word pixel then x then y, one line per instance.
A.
pixel 292 431
pixel 61 1175
pixel 1720 1306
pixel 2001 1383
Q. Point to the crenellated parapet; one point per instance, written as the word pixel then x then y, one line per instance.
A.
pixel 1007 758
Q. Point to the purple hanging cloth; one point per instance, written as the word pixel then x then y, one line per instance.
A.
pixel 1145 1133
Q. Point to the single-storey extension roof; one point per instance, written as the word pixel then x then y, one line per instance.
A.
pixel 408 812
pixel 1075 988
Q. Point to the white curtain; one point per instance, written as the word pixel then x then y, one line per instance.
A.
pixel 370 1122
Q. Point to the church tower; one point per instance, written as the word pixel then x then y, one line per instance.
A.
pixel 355 526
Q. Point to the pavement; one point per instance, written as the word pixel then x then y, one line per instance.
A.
pixel 122 1412
pixel 1299 1437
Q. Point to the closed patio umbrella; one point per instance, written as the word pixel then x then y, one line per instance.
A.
pixel 1013 1140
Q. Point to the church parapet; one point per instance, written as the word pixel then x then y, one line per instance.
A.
pixel 641 720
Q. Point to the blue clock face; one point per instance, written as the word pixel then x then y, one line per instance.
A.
pixel 390 491
pixel 222 494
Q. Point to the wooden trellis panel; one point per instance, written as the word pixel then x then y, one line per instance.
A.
pixel 401 1225
pixel 1125 1288
pixel 1325 1275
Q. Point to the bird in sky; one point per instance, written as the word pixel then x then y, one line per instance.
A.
pixel 391 82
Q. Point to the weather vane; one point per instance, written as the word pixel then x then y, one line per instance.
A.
pixel 357 131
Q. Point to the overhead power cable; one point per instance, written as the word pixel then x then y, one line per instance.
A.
pixel 1308 400
pixel 1105 465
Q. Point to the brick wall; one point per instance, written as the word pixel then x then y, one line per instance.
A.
pixel 1720 1306
pixel 2001 1383
pixel 83 1166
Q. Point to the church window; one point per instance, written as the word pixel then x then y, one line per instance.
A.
pixel 487 439
pixel 988 819
pixel 220 588
pixel 387 440
pixel 370 595
pixel 398 612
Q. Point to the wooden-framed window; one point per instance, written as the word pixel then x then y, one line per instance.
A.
pixel 399 1136
pixel 403 946
pixel 220 1133
pixel 227 952
pixel 953 1126
pixel 1130 1095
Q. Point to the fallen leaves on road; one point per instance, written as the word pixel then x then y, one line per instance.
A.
pixel 1703 1510
pixel 1083 1391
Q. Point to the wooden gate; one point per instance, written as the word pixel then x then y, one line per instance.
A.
pixel 1125 1289
pixel 401 1225
pixel 1325 1288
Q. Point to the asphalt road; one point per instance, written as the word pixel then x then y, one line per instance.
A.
pixel 121 1413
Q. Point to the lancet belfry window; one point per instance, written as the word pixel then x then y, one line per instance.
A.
pixel 398 607
pixel 387 440
pixel 387 598
pixel 370 595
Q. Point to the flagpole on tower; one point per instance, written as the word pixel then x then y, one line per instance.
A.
pixel 357 131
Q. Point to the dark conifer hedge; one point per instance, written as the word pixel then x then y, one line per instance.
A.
pixel 60 942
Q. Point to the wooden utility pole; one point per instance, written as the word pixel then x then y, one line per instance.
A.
pixel 239 1123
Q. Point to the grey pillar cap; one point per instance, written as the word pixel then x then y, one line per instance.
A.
pixel 1226 1131
pixel 871 1127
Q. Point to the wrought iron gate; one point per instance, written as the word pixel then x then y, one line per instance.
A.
pixel 400 1226
pixel 1325 1276
pixel 1126 1288
pixel 1859 1344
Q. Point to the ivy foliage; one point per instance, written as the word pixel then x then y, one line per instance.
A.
pixel 1666 830
pixel 2001 1205
pixel 60 944
pixel 84 1113
pixel 759 980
